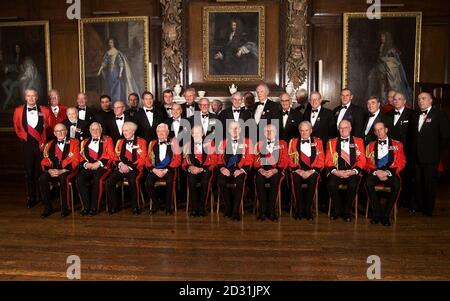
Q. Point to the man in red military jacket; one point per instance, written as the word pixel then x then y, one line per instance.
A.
pixel 199 162
pixel 30 124
pixel 385 160
pixel 235 158
pixel 306 160
pixel 270 162
pixel 57 110
pixel 130 159
pixel 164 157
pixel 97 155
pixel 60 163
pixel 345 160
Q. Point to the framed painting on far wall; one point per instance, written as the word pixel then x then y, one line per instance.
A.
pixel 114 56
pixel 233 43
pixel 380 55
pixel 24 63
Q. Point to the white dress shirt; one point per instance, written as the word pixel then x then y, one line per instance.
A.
pixel 162 150
pixel 176 126
pixel 236 114
pixel 32 117
pixel 305 147
pixel 370 122
pixel 342 113
pixel 55 110
pixel 314 116
pixel 422 118
pixel 383 149
pixel 205 122
pixel 61 145
pixel 149 115
pixel 82 114
pixel 234 146
pixel 285 116
pixel 119 123
pixel 259 111
pixel 397 116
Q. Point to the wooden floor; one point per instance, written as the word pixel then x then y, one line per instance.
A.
pixel 162 247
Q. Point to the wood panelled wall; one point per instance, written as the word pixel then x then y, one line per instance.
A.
pixel 326 36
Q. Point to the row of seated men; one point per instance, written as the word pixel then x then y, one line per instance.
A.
pixel 421 146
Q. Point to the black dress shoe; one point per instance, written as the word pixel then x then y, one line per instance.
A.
pixel 347 218
pixel 47 213
pixel 193 213
pixel 229 215
pixel 412 211
pixel 169 212
pixel 92 212
pixel 309 218
pixel 152 211
pixel 273 217
pixel 112 210
pixel 386 221
pixel 260 217
pixel 31 203
pixel 136 211
pixel 236 217
pixel 375 220
pixel 84 212
pixel 65 212
pixel 201 213
pixel 427 214
pixel 333 217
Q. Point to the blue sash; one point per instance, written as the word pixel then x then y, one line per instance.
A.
pixel 163 163
pixel 383 161
pixel 233 160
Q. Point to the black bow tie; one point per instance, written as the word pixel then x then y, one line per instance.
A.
pixel 130 141
pixel 73 123
pixel 315 110
pixel 237 111
pixel 176 120
pixel 189 106
pixel 425 112
pixel 285 113
pixel 168 109
pixel 344 107
pixel 205 115
pixel 197 143
pixel 301 107
pixel 397 113
pixel 148 110
pixel 372 115
pixel 261 103
pixel 344 139
pixel 269 142
pixel 81 109
pixel 382 142
pixel 162 142
pixel 32 109
pixel 61 142
pixel 235 141
pixel 95 139
pixel 119 118
pixel 305 141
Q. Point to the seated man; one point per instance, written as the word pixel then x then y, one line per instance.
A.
pixel 235 158
pixel 76 128
pixel 163 158
pixel 385 160
pixel 199 163
pixel 60 162
pixel 270 162
pixel 97 155
pixel 306 160
pixel 130 159
pixel 345 161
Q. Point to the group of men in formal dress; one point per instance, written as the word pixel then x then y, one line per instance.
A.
pixel 256 147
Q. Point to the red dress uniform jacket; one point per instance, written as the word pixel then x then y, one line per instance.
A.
pixel 245 155
pixel 172 159
pixel 298 161
pixel 357 156
pixel 68 159
pixel 277 159
pixel 137 158
pixel 105 153
pixel 396 157
pixel 208 159
pixel 53 120
pixel 20 125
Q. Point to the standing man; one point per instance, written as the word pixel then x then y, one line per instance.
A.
pixel 175 123
pixel 374 116
pixel 403 130
pixel 208 121
pixel 84 112
pixel 60 163
pixel 389 106
pixel 30 124
pixel 431 136
pixel 105 114
pixel 345 160
pixel 351 112
pixel 76 128
pixel 235 113
pixel 115 123
pixel 290 119
pixel 168 103
pixel 216 106
pixel 133 105
pixel 265 108
pixel 320 118
pixel 58 110
pixel 148 118
pixel 190 106
pixel 385 160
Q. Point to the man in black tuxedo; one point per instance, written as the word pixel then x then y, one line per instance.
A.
pixel 375 115
pixel 265 108
pixel 177 125
pixel 105 112
pixel 190 106
pixel 115 123
pixel 168 103
pixel 403 130
pixel 323 127
pixel 290 119
pixel 133 105
pixel 76 128
pixel 208 121
pixel 249 102
pixel 320 118
pixel 235 113
pixel 148 118
pixel 84 112
pixel 431 136
pixel 302 104
pixel 351 112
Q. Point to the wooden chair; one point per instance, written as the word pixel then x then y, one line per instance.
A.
pixel 70 185
pixel 162 183
pixel 232 186
pixel 344 187
pixel 210 193
pixel 387 189
pixel 316 195
pixel 277 201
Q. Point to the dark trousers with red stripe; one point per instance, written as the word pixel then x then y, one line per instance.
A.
pixel 394 183
pixel 150 187
pixel 117 176
pixel 231 197
pixel 89 179
pixel 304 197
pixel 198 195
pixel 267 199
pixel 44 184
pixel 343 206
pixel 32 161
